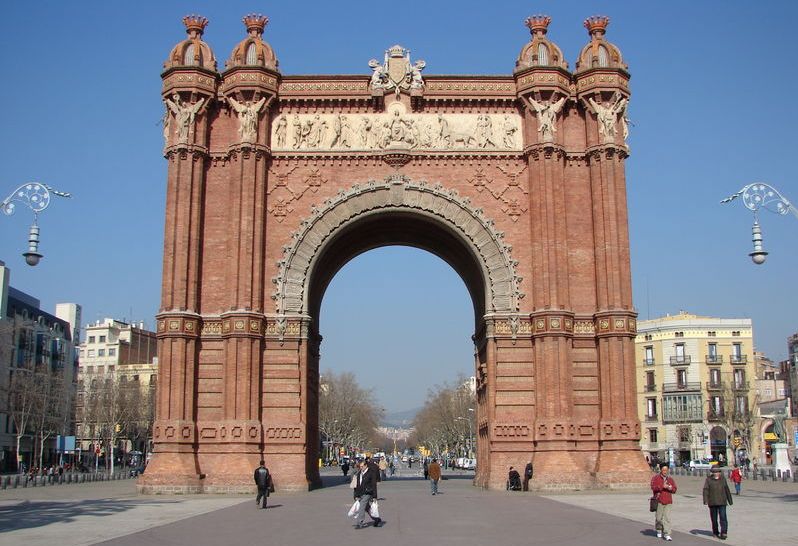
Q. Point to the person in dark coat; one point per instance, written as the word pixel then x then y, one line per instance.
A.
pixel 426 469
pixel 528 471
pixel 263 479
pixel 717 496
pixel 513 480
pixel 345 467
pixel 365 492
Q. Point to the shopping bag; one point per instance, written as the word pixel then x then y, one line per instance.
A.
pixel 353 511
pixel 652 504
pixel 374 509
pixel 353 483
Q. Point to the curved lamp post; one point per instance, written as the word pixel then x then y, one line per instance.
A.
pixel 761 196
pixel 35 196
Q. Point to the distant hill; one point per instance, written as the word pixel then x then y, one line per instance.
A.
pixel 400 419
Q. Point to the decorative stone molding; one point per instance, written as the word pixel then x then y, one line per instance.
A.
pixel 221 432
pixel 619 430
pixel 511 431
pixel 563 429
pixel 178 324
pixel 617 323
pixel 513 193
pixel 398 193
pixel 174 432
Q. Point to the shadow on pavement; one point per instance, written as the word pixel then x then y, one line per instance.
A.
pixel 31 514
pixel 701 532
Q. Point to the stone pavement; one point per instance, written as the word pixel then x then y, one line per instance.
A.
pixel 462 515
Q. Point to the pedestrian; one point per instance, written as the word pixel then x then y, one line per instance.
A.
pixel 345 467
pixel 383 468
pixel 263 480
pixel 513 480
pixel 717 496
pixel 434 471
pixel 528 471
pixel 366 493
pixel 426 469
pixel 663 487
pixel 392 468
pixel 737 477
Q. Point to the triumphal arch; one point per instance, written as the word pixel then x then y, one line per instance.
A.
pixel 276 181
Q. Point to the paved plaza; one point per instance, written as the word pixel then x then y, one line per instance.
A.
pixel 112 513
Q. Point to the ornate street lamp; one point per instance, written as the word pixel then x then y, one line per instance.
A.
pixel 36 197
pixel 761 196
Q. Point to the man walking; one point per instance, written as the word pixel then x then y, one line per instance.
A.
pixel 365 492
pixel 663 487
pixel 434 470
pixel 717 496
pixel 737 477
pixel 528 471
pixel 263 479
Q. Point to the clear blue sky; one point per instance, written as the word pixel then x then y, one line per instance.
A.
pixel 711 108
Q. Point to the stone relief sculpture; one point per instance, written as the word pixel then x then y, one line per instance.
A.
pixel 281 130
pixel 416 81
pixel 396 129
pixel 184 116
pixel 247 118
pixel 396 73
pixel 607 115
pixel 547 115
pixel 378 77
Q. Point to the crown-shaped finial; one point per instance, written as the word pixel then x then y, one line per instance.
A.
pixel 597 24
pixel 396 51
pixel 255 22
pixel 195 23
pixel 538 24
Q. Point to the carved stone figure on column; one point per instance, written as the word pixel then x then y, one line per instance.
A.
pixel 281 131
pixel 184 116
pixel 509 128
pixel 444 135
pixel 247 118
pixel 607 115
pixel 367 133
pixel 547 115
pixel 397 128
pixel 166 122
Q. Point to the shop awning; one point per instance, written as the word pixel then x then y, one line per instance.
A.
pixel 770 437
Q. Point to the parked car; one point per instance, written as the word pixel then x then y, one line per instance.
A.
pixel 699 464
pixel 470 464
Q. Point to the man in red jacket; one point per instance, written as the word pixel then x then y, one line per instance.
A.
pixel 663 487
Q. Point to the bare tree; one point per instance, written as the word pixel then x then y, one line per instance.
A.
pixel 21 399
pixel 49 389
pixel 447 420
pixel 348 413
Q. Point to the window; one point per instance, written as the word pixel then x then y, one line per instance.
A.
pixel 716 405
pixel 741 405
pixel 252 54
pixel 739 379
pixel 91 353
pixel 679 334
pixel 684 434
pixel 91 339
pixel 648 337
pixel 651 407
pixel 652 435
pixel 714 377
pixel 102 339
pixel 153 379
pixel 543 55
pixel 681 378
pixel 770 375
pixel 112 351
pixel 712 334
pixel 100 352
pixel 736 333
pixel 650 379
pixel 737 353
pixel 713 350
pixel 682 408
pixel 603 56
pixel 768 392
pixel 188 56
pixel 782 392
pixel 110 369
pixel 136 377
pixel 649 355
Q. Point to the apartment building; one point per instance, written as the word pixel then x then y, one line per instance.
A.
pixel 695 397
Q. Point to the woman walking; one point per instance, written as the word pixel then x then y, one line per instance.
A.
pixel 717 496
pixel 736 477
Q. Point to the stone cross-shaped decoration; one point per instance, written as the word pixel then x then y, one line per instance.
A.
pixel 247 118
pixel 547 115
pixel 184 116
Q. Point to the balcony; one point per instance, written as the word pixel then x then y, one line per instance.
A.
pixel 681 417
pixel 714 385
pixel 648 361
pixel 741 386
pixel 715 416
pixel 679 387
pixel 651 388
pixel 714 359
pixel 652 418
pixel 681 360
pixel 738 360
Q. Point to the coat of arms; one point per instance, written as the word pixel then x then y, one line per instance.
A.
pixel 396 72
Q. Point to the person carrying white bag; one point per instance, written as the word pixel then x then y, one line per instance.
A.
pixel 365 486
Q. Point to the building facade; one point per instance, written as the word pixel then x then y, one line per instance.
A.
pixel 35 342
pixel 695 385
pixel 276 181
pixel 115 357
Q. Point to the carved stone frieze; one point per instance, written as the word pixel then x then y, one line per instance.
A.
pixel 282 193
pixel 398 192
pixel 396 128
pixel 174 431
pixel 177 324
pixel 619 430
pixel 219 432
pixel 511 431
